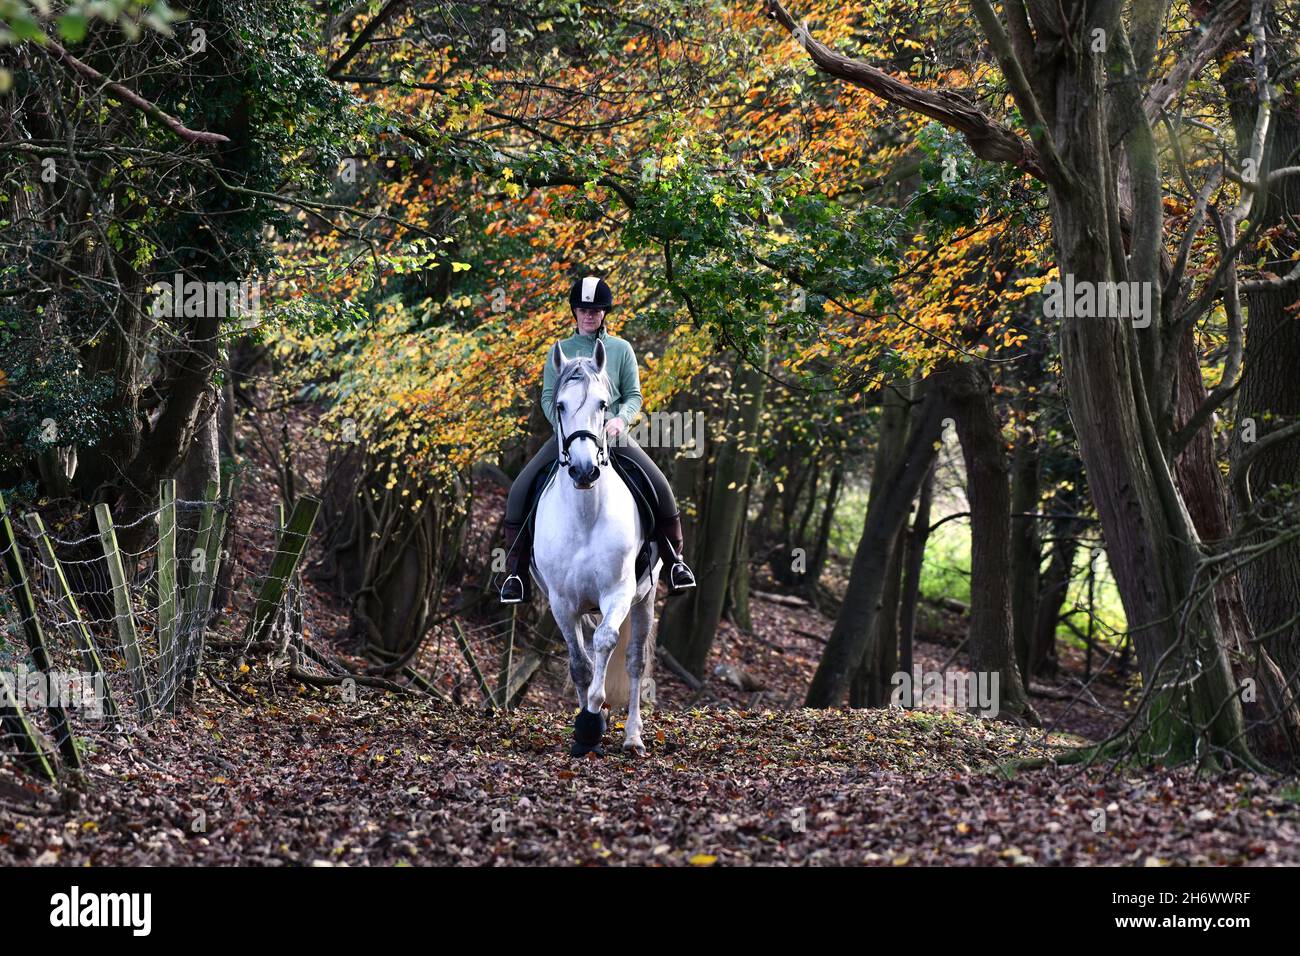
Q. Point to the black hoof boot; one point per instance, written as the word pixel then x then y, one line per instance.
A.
pixel 588 729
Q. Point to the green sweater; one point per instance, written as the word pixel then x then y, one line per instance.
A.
pixel 620 366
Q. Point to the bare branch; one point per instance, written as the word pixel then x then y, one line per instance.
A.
pixel 1231 379
pixel 1241 469
pixel 1276 284
pixel 364 36
pixel 988 138
pixel 1220 29
pixel 1014 72
pixel 135 99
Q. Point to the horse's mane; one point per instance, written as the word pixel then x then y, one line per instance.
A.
pixel 579 369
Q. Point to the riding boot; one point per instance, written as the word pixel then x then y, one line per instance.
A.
pixel 518 585
pixel 680 577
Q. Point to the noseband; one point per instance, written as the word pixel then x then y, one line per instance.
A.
pixel 602 455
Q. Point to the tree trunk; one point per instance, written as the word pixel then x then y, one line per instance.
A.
pixel 738 586
pixel 872 682
pixel 688 483
pixel 1151 543
pixel 992 648
pixel 913 564
pixel 1270 391
pixel 1026 547
pixel 1055 589
pixel 853 627
pixel 868 687
pixel 690 622
pixel 390 560
pixel 821 546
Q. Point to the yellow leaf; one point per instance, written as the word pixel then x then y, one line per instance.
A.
pixel 703 859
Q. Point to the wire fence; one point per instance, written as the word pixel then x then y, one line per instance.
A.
pixel 107 621
pixel 104 624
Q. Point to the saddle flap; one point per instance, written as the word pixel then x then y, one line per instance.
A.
pixel 535 492
pixel 643 490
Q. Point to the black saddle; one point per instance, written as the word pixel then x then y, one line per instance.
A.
pixel 642 488
pixel 643 493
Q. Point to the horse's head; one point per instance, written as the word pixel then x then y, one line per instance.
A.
pixel 582 394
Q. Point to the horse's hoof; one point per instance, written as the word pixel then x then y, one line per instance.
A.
pixel 588 729
pixel 634 745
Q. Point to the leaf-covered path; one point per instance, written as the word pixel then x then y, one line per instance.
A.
pixel 308 780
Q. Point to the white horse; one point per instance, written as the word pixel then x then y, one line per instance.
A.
pixel 586 539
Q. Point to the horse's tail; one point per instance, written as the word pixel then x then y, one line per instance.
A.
pixel 617 688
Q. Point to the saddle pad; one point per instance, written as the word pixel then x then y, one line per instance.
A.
pixel 647 502
pixel 643 493
pixel 535 492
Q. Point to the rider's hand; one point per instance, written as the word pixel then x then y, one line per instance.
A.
pixel 615 427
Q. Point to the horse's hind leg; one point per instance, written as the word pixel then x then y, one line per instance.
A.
pixel 638 646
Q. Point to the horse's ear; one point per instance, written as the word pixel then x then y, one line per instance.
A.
pixel 599 355
pixel 557 356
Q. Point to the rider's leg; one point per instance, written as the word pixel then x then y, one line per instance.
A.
pixel 518 586
pixel 668 519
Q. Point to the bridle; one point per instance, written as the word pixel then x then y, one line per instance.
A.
pixel 602 455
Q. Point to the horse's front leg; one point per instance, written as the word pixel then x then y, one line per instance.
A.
pixel 614 608
pixel 643 613
pixel 569 621
pixel 588 726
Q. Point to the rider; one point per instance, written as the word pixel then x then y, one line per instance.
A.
pixel 589 299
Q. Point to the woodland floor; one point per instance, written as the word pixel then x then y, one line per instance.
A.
pixel 299 779
pixel 264 771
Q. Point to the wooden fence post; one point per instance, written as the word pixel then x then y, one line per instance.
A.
pixel 204 565
pixel 165 560
pixel 288 553
pixel 123 614
pixel 507 662
pixel 16 726
pixel 90 658
pixel 22 593
pixel 468 653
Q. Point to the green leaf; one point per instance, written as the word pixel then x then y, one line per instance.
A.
pixel 72 26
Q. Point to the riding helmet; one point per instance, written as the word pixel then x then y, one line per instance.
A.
pixel 591 292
